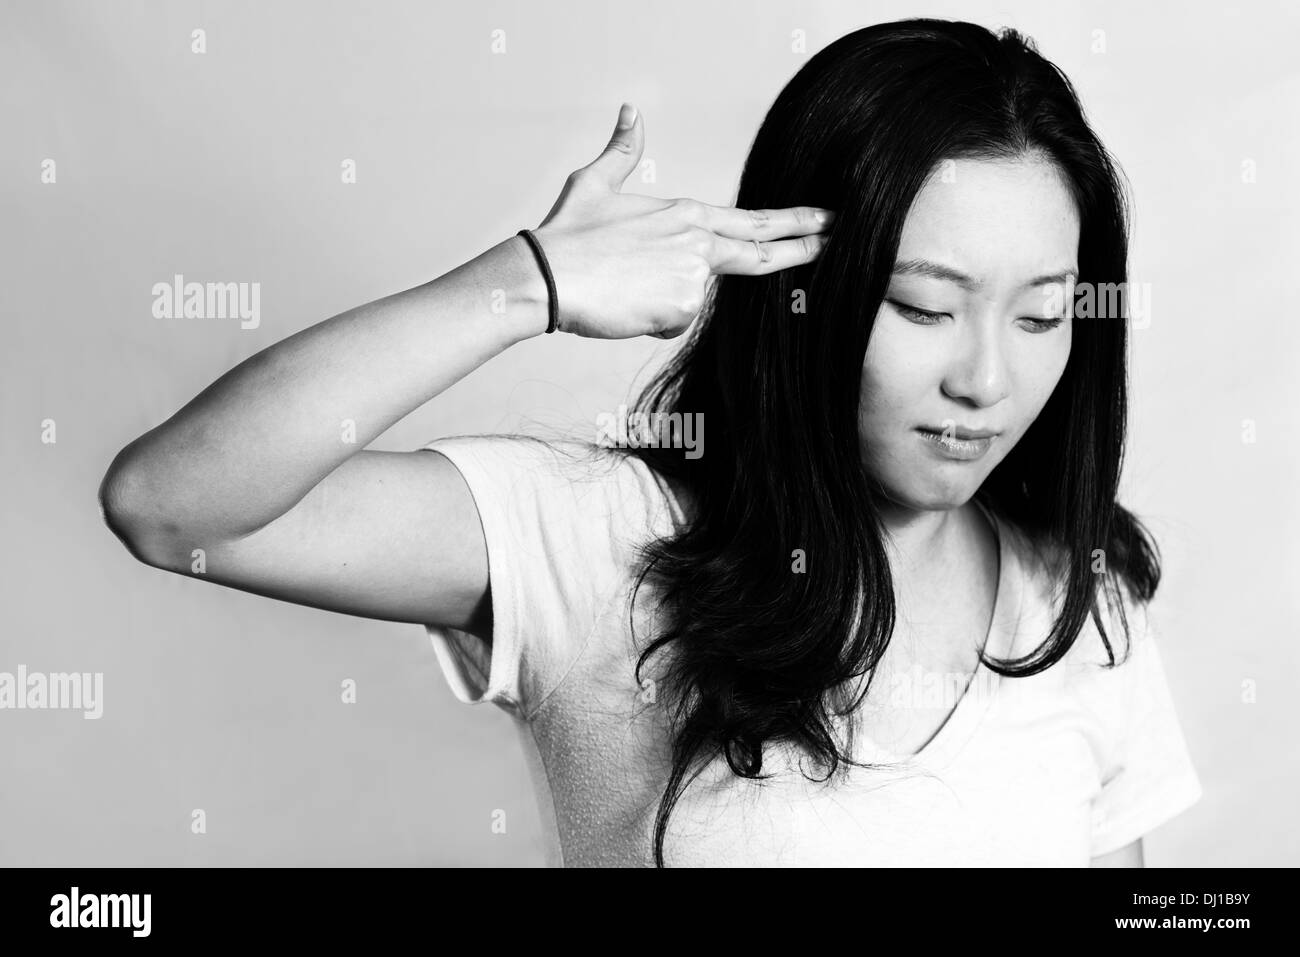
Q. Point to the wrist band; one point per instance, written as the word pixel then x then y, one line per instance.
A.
pixel 553 304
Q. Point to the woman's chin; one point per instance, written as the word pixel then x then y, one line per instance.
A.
pixel 931 499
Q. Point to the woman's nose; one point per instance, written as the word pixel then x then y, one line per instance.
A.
pixel 979 372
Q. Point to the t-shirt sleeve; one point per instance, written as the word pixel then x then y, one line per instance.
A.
pixel 561 521
pixel 1150 778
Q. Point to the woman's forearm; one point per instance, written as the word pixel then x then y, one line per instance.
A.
pixel 253 443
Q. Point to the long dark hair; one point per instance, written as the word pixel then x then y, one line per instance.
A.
pixel 759 653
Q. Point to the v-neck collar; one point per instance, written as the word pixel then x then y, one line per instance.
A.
pixel 983 685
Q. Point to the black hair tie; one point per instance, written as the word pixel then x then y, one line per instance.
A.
pixel 553 300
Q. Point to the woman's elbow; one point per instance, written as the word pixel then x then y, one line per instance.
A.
pixel 125 508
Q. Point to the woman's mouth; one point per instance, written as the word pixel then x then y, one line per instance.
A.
pixel 951 447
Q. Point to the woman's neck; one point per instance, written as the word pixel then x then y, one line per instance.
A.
pixel 928 546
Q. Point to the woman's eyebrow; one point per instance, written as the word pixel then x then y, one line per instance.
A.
pixel 923 267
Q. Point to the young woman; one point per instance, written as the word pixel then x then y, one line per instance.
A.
pixel 866 615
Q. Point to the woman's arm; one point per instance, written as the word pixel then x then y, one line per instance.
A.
pixel 252 444
pixel 252 484
pixel 255 471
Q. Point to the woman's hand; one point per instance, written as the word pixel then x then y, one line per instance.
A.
pixel 628 265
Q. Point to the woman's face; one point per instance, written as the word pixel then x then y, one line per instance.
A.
pixel 964 340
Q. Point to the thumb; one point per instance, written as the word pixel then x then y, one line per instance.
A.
pixel 623 153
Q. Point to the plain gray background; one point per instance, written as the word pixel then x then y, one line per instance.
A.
pixel 225 166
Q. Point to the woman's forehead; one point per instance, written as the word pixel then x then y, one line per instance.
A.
pixel 992 222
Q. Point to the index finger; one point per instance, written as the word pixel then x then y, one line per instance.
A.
pixel 762 224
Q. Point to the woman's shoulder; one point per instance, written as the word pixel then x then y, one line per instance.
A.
pixel 566 480
pixel 1044 570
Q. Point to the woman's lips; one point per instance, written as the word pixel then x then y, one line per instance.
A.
pixel 950 447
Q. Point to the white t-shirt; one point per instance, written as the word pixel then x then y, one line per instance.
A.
pixel 1049 770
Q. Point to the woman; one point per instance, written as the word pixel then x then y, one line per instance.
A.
pixel 869 620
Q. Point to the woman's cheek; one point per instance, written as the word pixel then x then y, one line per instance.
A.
pixel 1053 370
pixel 899 364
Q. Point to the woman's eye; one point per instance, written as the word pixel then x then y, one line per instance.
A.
pixel 1044 325
pixel 920 316
pixel 925 318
